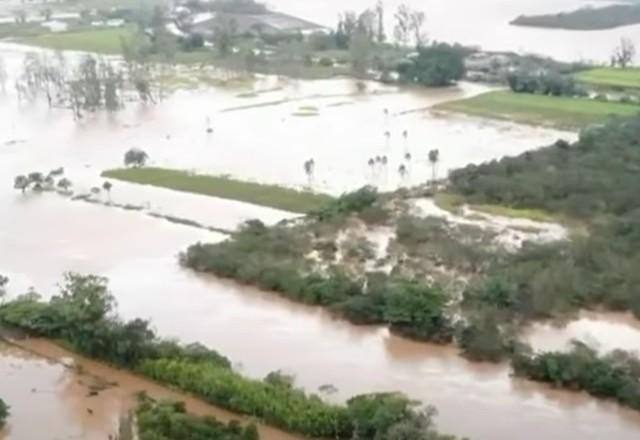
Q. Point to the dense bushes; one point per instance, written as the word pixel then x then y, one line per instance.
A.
pixel 593 180
pixel 437 65
pixel 273 259
pixel 547 83
pixel 4 413
pixel 349 203
pixel 82 317
pixel 170 421
pixel 279 405
pixel 616 375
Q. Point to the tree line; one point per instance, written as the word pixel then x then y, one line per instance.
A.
pixel 82 315
pixel 4 413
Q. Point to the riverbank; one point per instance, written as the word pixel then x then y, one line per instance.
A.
pixel 82 317
pixel 86 384
pixel 557 112
pixel 223 187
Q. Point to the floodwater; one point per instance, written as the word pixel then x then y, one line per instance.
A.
pixel 485 23
pixel 42 236
pixel 49 397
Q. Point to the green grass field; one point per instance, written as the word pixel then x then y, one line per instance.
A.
pixel 558 112
pixel 607 77
pixel 105 41
pixel 259 194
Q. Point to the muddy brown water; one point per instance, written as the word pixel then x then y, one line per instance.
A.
pixel 48 388
pixel 42 236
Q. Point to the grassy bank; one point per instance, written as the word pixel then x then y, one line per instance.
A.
pixel 557 112
pixel 453 202
pixel 259 194
pixel 607 77
pixel 104 41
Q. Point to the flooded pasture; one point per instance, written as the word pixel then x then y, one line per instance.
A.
pixel 259 138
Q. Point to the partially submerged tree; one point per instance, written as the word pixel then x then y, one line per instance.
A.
pixel 434 158
pixel 21 182
pixel 135 158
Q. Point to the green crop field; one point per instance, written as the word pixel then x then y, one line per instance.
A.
pixel 259 194
pixel 610 77
pixel 105 41
pixel 557 112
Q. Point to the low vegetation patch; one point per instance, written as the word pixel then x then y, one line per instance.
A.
pixel 259 194
pixel 559 112
pixel 615 375
pixel 589 180
pixel 104 41
pixel 170 421
pixel 609 77
pixel 82 316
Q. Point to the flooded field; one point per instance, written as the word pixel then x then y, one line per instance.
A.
pixel 48 394
pixel 489 27
pixel 42 236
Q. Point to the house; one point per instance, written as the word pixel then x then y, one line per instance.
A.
pixel 270 23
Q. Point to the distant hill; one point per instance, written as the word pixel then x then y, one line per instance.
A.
pixel 586 19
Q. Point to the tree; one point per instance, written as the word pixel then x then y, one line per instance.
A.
pixel 434 158
pixel 20 16
pixel 381 36
pixel 224 34
pixel 437 65
pixel 623 54
pixel 106 186
pixel 4 413
pixel 360 49
pixel 416 27
pixel 403 24
pixel 135 158
pixel 64 184
pixel 21 182
pixel 3 291
pixel 46 14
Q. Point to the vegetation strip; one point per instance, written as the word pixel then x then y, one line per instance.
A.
pixel 170 421
pixel 609 77
pixel 82 317
pixel 4 413
pixel 559 112
pixel 259 194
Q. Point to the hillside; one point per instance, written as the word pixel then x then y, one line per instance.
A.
pixel 607 17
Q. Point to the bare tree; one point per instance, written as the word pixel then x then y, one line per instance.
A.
pixel 403 24
pixel 623 54
pixel 381 36
pixel 416 26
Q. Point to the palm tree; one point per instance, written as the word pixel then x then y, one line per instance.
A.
pixel 434 158
pixel 372 163
pixel 387 136
pixel 402 170
pixel 106 186
pixel 309 168
pixel 405 135
pixel 209 128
